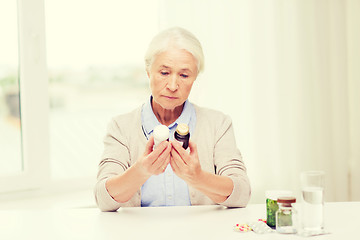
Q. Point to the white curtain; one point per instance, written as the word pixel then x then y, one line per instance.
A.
pixel 353 66
pixel 287 72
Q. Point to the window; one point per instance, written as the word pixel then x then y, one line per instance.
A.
pixel 26 42
pixel 96 71
pixel 10 127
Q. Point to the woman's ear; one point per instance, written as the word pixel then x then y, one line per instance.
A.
pixel 147 73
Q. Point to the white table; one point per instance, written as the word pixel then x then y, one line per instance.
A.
pixel 196 222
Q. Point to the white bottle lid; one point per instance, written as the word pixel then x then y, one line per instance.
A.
pixel 161 133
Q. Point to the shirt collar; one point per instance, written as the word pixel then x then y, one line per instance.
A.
pixel 149 120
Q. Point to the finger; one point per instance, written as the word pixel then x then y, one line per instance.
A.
pixel 193 148
pixel 181 151
pixel 158 150
pixel 162 166
pixel 149 146
pixel 177 159
pixel 174 165
pixel 177 146
pixel 159 162
pixel 165 164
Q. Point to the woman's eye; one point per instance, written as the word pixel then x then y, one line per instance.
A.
pixel 164 73
pixel 184 75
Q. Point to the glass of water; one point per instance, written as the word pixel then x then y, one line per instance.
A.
pixel 312 210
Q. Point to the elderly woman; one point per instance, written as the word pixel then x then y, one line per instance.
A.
pixel 132 173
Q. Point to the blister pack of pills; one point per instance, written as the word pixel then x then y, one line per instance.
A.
pixel 260 227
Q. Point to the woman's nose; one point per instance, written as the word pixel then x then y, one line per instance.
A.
pixel 172 84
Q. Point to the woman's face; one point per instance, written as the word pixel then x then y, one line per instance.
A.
pixel 172 75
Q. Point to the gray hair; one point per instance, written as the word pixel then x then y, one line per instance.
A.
pixel 177 37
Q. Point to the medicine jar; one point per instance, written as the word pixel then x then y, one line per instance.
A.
pixel 286 215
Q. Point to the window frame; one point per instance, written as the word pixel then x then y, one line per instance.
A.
pixel 34 101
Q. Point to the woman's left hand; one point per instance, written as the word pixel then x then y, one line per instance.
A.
pixel 185 165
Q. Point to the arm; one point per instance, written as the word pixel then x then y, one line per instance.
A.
pixel 118 180
pixel 217 188
pixel 123 186
pixel 228 162
pixel 229 186
pixel 187 166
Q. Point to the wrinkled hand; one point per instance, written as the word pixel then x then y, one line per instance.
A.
pixel 185 165
pixel 154 162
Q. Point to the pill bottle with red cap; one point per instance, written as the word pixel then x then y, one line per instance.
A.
pixel 272 205
pixel 286 215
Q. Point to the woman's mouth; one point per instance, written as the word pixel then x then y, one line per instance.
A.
pixel 170 97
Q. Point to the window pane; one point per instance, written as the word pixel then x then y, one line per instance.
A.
pixel 96 71
pixel 10 127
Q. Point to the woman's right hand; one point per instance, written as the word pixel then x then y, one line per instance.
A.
pixel 122 187
pixel 154 162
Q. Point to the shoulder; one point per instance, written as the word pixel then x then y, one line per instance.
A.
pixel 212 122
pixel 208 115
pixel 134 114
pixel 124 122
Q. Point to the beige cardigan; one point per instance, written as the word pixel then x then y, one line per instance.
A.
pixel 217 151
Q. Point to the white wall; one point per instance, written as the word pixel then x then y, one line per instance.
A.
pixel 281 70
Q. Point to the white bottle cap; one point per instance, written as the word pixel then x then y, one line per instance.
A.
pixel 161 133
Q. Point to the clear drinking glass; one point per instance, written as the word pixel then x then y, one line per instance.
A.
pixel 312 213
